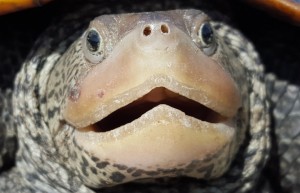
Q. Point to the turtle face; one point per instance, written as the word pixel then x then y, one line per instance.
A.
pixel 151 95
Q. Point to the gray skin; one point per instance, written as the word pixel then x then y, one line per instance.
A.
pixel 42 143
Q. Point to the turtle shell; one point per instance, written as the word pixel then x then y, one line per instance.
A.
pixel 289 10
pixel 8 6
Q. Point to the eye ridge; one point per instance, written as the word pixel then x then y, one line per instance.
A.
pixel 93 40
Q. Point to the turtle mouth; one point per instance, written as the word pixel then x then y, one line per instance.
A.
pixel 157 96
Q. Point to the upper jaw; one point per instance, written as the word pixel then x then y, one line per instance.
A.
pixel 124 77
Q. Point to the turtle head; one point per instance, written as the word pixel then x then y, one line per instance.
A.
pixel 149 95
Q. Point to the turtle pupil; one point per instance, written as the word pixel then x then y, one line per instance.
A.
pixel 93 40
pixel 207 33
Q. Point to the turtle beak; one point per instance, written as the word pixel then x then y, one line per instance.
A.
pixel 144 61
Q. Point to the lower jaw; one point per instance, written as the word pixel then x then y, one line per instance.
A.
pixel 163 138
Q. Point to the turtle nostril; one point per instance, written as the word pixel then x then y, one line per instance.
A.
pixel 164 29
pixel 147 31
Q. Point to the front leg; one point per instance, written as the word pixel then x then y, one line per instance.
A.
pixel 8 140
pixel 284 170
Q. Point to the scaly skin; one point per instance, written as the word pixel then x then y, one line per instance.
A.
pixel 285 107
pixel 45 162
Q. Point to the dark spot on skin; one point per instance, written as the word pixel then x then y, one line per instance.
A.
pixel 83 169
pixel 95 159
pixel 137 173
pixel 235 53
pixel 36 92
pixel 102 165
pixel 85 151
pixel 117 177
pixel 57 84
pixel 38 139
pixel 32 177
pixel 103 182
pixel 77 70
pixel 43 100
pixel 26 146
pixel 42 171
pixel 73 156
pixel 85 162
pixel 104 173
pixel 129 170
pixel 151 173
pixel 94 170
pixel 53 112
pixel 38 119
pixel 41 63
pixel 50 95
pixel 100 93
pixel 120 167
pixel 74 93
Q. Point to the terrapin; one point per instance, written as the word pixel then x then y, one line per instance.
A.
pixel 174 100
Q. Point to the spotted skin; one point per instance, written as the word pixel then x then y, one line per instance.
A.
pixel 43 151
pixel 93 167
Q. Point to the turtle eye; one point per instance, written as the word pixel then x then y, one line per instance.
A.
pixel 93 46
pixel 207 38
pixel 206 34
pixel 93 40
